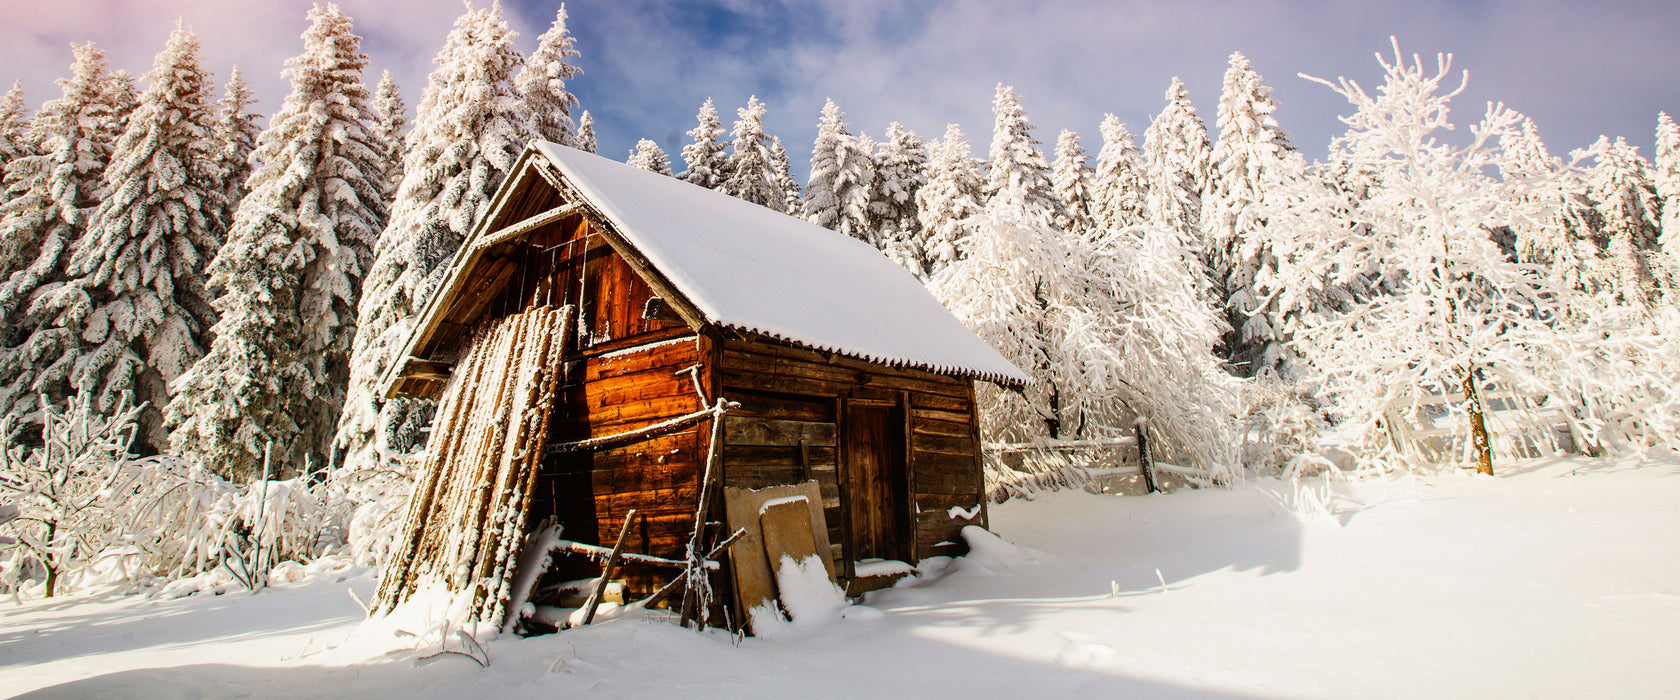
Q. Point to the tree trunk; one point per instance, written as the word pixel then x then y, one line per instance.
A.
pixel 1478 426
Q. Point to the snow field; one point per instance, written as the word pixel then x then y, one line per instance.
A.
pixel 1556 579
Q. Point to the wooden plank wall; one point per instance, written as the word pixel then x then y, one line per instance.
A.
pixel 789 392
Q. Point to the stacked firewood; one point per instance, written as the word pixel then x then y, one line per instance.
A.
pixel 465 520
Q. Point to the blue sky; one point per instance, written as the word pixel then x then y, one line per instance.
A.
pixel 1580 69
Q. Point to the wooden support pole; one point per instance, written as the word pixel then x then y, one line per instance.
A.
pixel 696 574
pixel 608 568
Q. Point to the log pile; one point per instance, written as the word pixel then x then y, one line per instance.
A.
pixel 465 521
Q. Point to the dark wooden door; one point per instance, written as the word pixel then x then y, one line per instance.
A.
pixel 874 481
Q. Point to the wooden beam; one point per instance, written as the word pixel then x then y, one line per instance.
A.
pixel 528 225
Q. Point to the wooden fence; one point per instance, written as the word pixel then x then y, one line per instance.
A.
pixel 1435 429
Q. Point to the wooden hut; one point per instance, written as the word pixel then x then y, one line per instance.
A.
pixel 608 336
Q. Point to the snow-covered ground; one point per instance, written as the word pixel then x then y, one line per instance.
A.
pixel 1559 578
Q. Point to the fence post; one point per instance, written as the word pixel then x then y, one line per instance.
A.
pixel 1146 463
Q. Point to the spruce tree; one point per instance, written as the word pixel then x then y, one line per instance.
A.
pixel 842 172
pixel 140 293
pixel 543 82
pixel 292 271
pixel 236 129
pixel 586 133
pixel 647 155
pixel 1073 181
pixel 390 116
pixel 16 142
pixel 900 172
pixel 951 197
pixel 1247 160
pixel 1119 196
pixel 751 175
pixel 1666 179
pixel 1550 212
pixel 706 163
pixel 792 195
pixel 471 126
pixel 1177 159
pixel 1619 185
pixel 1016 158
pixel 54 187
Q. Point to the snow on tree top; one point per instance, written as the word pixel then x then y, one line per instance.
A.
pixel 756 270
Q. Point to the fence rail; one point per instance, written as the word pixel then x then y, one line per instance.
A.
pixel 1433 427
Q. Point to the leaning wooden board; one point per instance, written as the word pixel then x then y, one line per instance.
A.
pixel 754 583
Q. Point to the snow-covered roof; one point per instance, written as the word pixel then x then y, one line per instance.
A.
pixel 752 269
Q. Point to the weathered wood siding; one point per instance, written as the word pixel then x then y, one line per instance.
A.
pixel 788 394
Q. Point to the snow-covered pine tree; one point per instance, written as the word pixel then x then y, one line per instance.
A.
pixel 53 191
pixel 1073 180
pixel 585 140
pixel 1177 159
pixel 706 163
pixel 1248 158
pixel 390 117
pixel 900 172
pixel 1628 219
pixel 648 156
pixel 139 292
pixel 1118 193
pixel 1016 158
pixel 751 175
pixel 951 197
pixel 236 128
pixel 842 172
pixel 792 193
pixel 16 141
pixel 1548 211
pixel 471 126
pixel 543 82
pixel 1665 177
pixel 292 271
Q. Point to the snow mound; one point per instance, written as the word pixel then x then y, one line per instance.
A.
pixel 811 600
pixel 990 553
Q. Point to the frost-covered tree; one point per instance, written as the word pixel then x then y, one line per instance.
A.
pixel 390 117
pixel 751 175
pixel 951 197
pixel 543 82
pixel 648 156
pixel 793 196
pixel 1109 330
pixel 1628 219
pixel 1118 194
pixel 54 190
pixel 1073 180
pixel 1456 311
pixel 471 126
pixel 1177 159
pixel 292 272
pixel 586 133
pixel 1015 157
pixel 842 172
pixel 900 172
pixel 236 128
pixel 1247 159
pixel 139 293
pixel 706 163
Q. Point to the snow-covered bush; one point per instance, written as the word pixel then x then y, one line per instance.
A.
pixel 90 512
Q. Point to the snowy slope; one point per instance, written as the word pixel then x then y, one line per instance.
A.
pixel 753 269
pixel 1558 579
